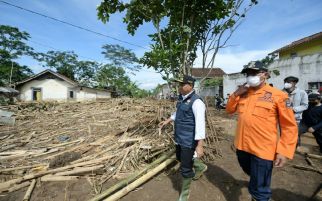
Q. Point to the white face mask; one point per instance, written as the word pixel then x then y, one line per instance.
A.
pixel 253 81
pixel 287 85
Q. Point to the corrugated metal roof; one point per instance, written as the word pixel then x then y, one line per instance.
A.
pixel 8 90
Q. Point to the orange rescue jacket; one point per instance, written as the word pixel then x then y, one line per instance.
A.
pixel 259 114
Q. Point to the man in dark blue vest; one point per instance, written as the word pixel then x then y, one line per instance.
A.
pixel 189 124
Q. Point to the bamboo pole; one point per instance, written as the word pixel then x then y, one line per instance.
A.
pixel 58 178
pixel 29 191
pixel 131 178
pixel 80 170
pixel 140 181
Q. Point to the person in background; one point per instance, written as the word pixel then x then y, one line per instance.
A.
pixel 218 102
pixel 298 99
pixel 261 108
pixel 189 133
pixel 312 119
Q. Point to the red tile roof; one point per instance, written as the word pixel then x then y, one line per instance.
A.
pixel 301 41
pixel 202 72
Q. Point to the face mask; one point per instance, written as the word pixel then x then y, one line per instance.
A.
pixel 253 81
pixel 287 85
pixel 313 103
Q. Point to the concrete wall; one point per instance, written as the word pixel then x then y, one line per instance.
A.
pixel 58 90
pixel 51 89
pixel 306 68
pixel 231 81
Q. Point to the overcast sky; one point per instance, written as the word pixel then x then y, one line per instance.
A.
pixel 268 26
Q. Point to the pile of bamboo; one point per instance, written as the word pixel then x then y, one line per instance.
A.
pixel 96 140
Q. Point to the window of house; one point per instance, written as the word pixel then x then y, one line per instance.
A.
pixel 71 94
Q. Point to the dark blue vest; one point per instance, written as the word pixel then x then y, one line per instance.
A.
pixel 184 124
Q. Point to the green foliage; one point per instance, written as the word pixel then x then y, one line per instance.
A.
pixel 276 72
pixel 115 77
pixel 19 72
pixel 12 46
pixel 213 82
pixel 67 63
pixel 189 23
pixel 120 56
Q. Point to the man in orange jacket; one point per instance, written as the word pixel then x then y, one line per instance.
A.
pixel 261 108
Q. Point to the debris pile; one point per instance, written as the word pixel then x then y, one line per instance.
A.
pixel 95 140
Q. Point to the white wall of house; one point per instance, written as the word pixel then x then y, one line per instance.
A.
pixel 51 89
pixel 103 94
pixel 231 81
pixel 58 90
pixel 307 68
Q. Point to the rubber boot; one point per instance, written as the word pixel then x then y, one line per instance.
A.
pixel 199 167
pixel 185 190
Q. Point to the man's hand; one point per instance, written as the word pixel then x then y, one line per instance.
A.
pixel 310 130
pixel 163 123
pixel 199 150
pixel 280 160
pixel 241 90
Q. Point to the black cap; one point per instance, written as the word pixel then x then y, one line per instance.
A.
pixel 186 79
pixel 291 79
pixel 314 96
pixel 254 65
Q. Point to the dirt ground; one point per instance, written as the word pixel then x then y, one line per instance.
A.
pixel 224 179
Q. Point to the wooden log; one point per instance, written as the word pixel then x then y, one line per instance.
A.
pixel 128 180
pixel 310 162
pixel 29 191
pixel 7 184
pixel 140 180
pixel 21 168
pixel 19 186
pixel 58 178
pixel 77 171
pixel 307 168
pixel 314 156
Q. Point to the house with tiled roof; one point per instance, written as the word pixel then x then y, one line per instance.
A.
pixel 207 73
pixel 306 46
pixel 52 86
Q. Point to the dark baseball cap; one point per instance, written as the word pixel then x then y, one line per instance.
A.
pixel 291 79
pixel 186 79
pixel 254 65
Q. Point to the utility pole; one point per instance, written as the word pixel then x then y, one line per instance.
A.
pixel 11 73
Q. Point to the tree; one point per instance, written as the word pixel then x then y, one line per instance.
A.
pixel 12 46
pixel 67 64
pixel 113 77
pixel 121 57
pixel 191 25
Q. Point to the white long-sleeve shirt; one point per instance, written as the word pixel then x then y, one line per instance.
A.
pixel 199 111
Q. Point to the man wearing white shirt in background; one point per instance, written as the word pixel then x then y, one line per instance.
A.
pixel 189 124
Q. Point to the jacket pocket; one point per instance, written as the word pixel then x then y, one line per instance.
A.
pixel 262 109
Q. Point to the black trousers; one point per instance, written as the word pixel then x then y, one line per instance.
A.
pixel 185 156
pixel 260 172
pixel 317 134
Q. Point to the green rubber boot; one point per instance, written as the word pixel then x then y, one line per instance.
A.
pixel 185 190
pixel 199 167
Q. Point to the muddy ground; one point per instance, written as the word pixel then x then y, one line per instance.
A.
pixel 224 179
